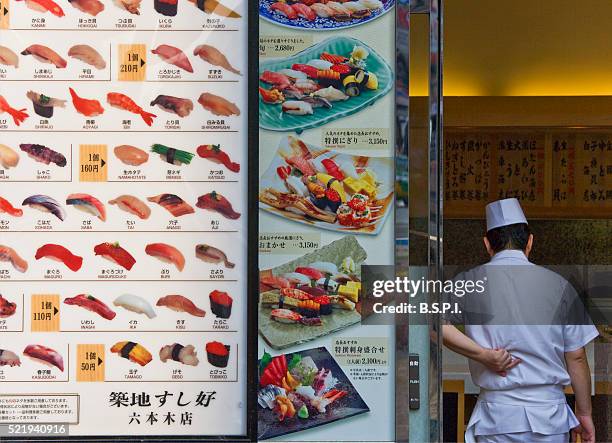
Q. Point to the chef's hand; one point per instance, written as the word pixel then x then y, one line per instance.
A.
pixel 586 429
pixel 499 360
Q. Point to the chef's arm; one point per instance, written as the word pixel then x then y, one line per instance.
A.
pixel 580 374
pixel 497 360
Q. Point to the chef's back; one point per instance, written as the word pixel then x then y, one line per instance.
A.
pixel 533 313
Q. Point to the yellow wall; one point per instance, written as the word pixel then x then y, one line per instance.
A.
pixel 521 48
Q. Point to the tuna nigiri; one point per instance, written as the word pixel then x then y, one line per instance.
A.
pixel 8 57
pixel 9 158
pixel 218 105
pixel 216 202
pixel 44 6
pixel 10 255
pixel 8 208
pixel 215 154
pixel 92 304
pixel 44 203
pixel 274 281
pixel 131 155
pixel 311 273
pixel 133 205
pixel 179 303
pixel 46 355
pixel 59 253
pixel 284 9
pixel 135 304
pixel 166 253
pixel 304 11
pixel 116 254
pixel 124 102
pixel 215 57
pixel 174 56
pixel 87 203
pixel 85 106
pixel 174 204
pixel 46 55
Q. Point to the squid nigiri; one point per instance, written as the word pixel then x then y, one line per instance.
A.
pixel 135 304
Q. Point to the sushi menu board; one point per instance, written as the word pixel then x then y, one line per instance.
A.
pixel 123 217
pixel 326 208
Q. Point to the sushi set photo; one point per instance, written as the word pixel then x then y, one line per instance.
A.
pixel 303 390
pixel 327 189
pixel 168 8
pixel 312 296
pixel 315 15
pixel 330 80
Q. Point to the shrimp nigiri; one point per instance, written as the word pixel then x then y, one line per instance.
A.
pixel 122 101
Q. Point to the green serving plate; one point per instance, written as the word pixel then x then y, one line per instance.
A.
pixel 271 116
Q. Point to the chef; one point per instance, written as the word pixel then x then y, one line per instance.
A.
pixel 523 340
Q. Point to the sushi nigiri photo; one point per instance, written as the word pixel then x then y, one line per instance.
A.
pixel 135 304
pixel 131 155
pixel 44 6
pixel 212 55
pixel 44 203
pixel 179 303
pixel 43 104
pixel 87 203
pixel 173 156
pixel 61 254
pixel 9 358
pixel 179 353
pixel 88 55
pixel 91 7
pixel 215 202
pixel 133 205
pixel 167 254
pixel 43 154
pixel 87 107
pixel 8 254
pixel 45 54
pixel 7 308
pixel 9 158
pixel 92 304
pixel 7 208
pixel 221 304
pixel 174 204
pixel 215 154
pixel 210 254
pixel 176 105
pixel 297 107
pixel 215 7
pixel 122 101
pixel 116 254
pixel 45 355
pixel 218 354
pixel 133 352
pixel 18 115
pixel 173 56
pixel 218 105
pixel 131 6
pixel 8 57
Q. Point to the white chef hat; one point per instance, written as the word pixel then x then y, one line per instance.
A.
pixel 503 213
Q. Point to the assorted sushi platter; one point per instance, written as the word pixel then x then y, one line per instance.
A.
pixel 302 390
pixel 330 80
pixel 322 15
pixel 312 296
pixel 327 189
pixel 127 15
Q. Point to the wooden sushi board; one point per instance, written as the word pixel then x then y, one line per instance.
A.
pixel 280 335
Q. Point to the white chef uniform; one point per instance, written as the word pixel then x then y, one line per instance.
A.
pixel 528 405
